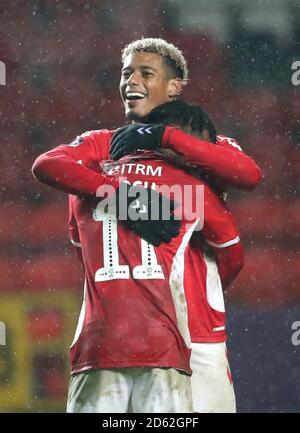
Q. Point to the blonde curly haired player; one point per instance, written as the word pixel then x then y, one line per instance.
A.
pixel 154 71
pixel 172 56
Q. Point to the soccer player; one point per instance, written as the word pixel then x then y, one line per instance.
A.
pixel 129 352
pixel 153 73
pixel 134 312
pixel 211 380
pixel 98 353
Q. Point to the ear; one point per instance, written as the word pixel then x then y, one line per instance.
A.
pixel 175 87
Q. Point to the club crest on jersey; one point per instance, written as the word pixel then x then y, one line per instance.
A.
pixel 110 168
pixel 76 142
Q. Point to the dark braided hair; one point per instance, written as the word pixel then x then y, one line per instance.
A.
pixel 183 115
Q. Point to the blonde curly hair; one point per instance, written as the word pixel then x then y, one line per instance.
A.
pixel 172 56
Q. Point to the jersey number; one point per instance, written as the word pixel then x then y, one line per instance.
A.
pixel 149 269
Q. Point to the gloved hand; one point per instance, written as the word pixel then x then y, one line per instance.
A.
pixel 137 136
pixel 147 212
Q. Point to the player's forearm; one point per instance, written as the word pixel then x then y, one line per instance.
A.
pixel 59 170
pixel 230 262
pixel 231 166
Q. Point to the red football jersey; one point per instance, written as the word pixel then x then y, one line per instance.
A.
pixel 224 162
pixel 207 318
pixel 67 167
pixel 204 293
pixel 134 311
pixel 128 317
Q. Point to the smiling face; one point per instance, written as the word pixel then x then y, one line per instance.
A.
pixel 145 84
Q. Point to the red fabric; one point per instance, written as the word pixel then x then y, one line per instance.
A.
pixel 222 161
pixel 145 301
pixel 230 262
pixel 204 282
pixel 70 168
pixel 127 321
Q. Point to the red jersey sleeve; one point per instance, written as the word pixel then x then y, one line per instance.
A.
pixel 222 160
pixel 230 261
pixel 69 168
pixel 221 233
pixel 219 230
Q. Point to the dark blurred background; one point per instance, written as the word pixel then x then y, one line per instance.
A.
pixel 62 70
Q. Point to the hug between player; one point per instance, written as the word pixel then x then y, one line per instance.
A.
pixel 153 310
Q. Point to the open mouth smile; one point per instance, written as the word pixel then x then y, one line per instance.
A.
pixel 135 96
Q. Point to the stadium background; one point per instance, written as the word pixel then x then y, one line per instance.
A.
pixel 63 68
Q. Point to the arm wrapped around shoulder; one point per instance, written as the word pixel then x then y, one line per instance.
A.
pixel 229 165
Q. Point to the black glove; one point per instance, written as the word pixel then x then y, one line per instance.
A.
pixel 133 137
pixel 147 212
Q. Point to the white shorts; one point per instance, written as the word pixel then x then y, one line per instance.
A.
pixel 134 389
pixel 212 387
